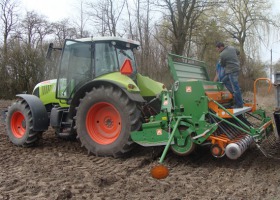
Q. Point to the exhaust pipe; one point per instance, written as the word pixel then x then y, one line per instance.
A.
pixel 235 150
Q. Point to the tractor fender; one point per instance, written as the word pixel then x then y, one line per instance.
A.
pixel 88 87
pixel 38 110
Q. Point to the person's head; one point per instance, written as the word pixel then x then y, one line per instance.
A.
pixel 220 46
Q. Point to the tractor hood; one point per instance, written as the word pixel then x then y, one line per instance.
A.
pixel 46 92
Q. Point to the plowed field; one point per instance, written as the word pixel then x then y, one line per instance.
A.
pixel 58 169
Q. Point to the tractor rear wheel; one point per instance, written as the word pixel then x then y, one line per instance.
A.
pixel 104 120
pixel 19 125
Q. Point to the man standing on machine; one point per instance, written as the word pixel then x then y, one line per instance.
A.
pixel 229 60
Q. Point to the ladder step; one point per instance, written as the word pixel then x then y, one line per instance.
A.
pixel 239 111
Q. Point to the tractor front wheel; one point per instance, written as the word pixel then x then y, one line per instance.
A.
pixel 19 124
pixel 105 118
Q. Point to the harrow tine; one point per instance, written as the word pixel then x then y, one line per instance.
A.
pixel 270 147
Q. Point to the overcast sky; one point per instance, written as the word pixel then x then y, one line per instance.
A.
pixel 57 10
pixel 274 43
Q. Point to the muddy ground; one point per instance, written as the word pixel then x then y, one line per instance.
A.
pixel 58 169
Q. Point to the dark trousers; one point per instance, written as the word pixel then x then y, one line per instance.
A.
pixel 231 82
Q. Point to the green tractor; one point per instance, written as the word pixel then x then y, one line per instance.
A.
pixel 98 97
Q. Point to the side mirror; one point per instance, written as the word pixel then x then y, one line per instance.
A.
pixel 49 52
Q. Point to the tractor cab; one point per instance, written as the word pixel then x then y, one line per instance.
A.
pixel 85 59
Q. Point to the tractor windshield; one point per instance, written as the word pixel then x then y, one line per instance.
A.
pixel 110 56
pixel 83 61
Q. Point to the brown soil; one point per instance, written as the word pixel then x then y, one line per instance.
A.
pixel 58 169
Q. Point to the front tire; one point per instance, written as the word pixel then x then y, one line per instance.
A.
pixel 105 118
pixel 19 125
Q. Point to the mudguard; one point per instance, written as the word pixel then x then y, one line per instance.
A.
pixel 38 111
pixel 88 87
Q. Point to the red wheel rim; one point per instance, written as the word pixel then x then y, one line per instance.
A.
pixel 18 124
pixel 103 123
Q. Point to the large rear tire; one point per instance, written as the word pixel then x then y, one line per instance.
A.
pixel 104 120
pixel 19 125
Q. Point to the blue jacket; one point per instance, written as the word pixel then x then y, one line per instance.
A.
pixel 220 70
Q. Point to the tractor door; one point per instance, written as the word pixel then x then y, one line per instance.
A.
pixel 76 67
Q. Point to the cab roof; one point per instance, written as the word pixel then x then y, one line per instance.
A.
pixel 109 38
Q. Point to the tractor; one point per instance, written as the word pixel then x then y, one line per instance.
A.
pixel 101 99
pixel 97 98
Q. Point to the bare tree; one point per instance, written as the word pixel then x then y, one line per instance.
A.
pixel 62 30
pixel 204 37
pixel 183 16
pixel 9 18
pixel 107 14
pixel 26 67
pixel 143 26
pixel 81 21
pixel 242 20
pixel 130 21
pixel 26 53
pixel 34 28
pixel 246 21
pixel 43 29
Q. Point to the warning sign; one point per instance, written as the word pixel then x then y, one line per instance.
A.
pixel 188 89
